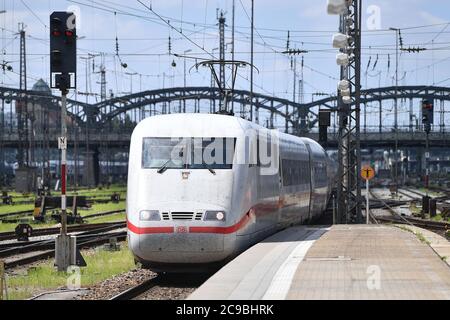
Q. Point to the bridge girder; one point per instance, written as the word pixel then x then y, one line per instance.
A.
pixel 49 101
pixel 109 109
pixel 103 112
pixel 389 93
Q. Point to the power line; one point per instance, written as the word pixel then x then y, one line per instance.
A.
pixel 190 40
pixel 173 28
pixel 33 13
pixel 440 32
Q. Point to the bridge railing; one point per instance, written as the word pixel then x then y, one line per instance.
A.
pixel 387 129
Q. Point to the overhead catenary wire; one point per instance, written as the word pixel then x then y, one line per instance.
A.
pixel 268 36
pixel 33 13
pixel 188 38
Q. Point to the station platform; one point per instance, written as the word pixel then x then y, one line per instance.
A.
pixel 366 262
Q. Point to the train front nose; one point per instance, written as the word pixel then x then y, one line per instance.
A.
pixel 181 236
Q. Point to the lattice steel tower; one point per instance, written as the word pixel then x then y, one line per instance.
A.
pixel 349 156
pixel 21 105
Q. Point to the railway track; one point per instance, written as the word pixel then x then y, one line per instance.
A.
pixel 162 286
pixel 444 197
pixel 46 249
pixel 418 193
pixel 101 214
pixel 407 193
pixel 400 219
pixel 29 213
pixel 17 213
pixel 55 230
pixel 444 191
pixel 430 225
pixel 90 200
pixel 138 290
pixel 14 248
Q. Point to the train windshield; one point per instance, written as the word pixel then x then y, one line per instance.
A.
pixel 188 153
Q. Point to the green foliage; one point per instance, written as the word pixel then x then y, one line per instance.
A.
pixel 6 208
pixel 103 207
pixel 110 218
pixel 101 265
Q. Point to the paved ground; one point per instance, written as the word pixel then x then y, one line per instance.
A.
pixel 250 275
pixel 438 243
pixel 379 262
pixel 346 262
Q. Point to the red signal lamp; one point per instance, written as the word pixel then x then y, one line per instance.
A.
pixel 56 33
pixel 69 33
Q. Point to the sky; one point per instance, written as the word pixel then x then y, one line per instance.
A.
pixel 143 44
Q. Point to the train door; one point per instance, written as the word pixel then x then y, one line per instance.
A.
pixel 279 190
pixel 282 219
pixel 268 185
pixel 312 186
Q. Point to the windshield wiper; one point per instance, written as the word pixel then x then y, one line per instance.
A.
pixel 210 169
pixel 163 168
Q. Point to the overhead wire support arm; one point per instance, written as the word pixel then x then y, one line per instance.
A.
pixel 235 64
pixel 295 51
pixel 413 49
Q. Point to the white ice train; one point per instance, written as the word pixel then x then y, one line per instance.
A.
pixel 185 213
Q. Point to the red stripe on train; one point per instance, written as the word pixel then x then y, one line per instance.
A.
pixel 222 230
pixel 218 230
pixel 148 230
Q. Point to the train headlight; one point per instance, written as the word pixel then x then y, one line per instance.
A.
pixel 213 215
pixel 150 215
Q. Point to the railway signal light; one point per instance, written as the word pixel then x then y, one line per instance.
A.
pixel 427 114
pixel 324 123
pixel 63 50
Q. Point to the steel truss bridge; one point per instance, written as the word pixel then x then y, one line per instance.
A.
pixel 111 121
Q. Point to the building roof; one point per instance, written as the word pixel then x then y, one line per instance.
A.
pixel 42 86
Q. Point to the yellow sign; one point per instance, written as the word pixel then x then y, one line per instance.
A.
pixel 367 173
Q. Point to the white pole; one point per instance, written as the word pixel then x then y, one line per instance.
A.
pixel 64 163
pixel 367 201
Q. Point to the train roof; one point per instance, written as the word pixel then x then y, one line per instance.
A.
pixel 191 125
pixel 202 125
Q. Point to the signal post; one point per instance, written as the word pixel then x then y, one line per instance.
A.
pixel 367 173
pixel 427 121
pixel 63 62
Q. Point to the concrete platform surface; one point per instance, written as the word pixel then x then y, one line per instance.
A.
pixel 438 243
pixel 341 262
